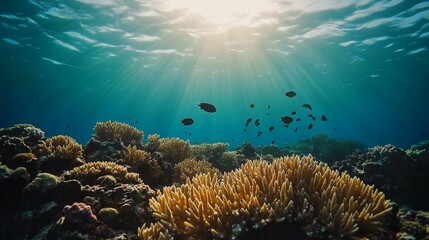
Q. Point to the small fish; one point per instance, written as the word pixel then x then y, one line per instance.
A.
pixel 287 119
pixel 324 118
pixel 207 107
pixel 293 113
pixel 259 134
pixel 190 134
pixel 312 117
pixel 187 121
pixel 272 142
pixel 245 130
pixel 128 120
pixel 269 106
pixel 333 129
pixel 136 121
pixel 252 105
pixel 232 139
pixel 271 128
pixel 248 121
pixel 310 126
pixel 286 126
pixel 290 94
pixel 296 129
pixel 257 122
pixel 298 119
pixel 306 105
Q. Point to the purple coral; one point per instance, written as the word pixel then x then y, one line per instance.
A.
pixel 79 214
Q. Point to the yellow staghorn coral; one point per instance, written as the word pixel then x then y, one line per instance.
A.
pixel 292 189
pixel 134 157
pixel 88 173
pixel 155 231
pixel 174 149
pixel 153 141
pixel 116 131
pixel 141 161
pixel 63 147
pixel 189 168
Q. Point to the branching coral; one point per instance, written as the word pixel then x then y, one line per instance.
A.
pixel 89 172
pixel 189 168
pixel 174 149
pixel 292 189
pixel 154 232
pixel 141 161
pixel 116 131
pixel 63 148
pixel 229 161
pixel 153 142
pixel 209 152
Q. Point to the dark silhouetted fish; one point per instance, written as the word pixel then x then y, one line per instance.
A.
pixel 306 105
pixel 187 121
pixel 271 128
pixel 248 121
pixel 312 117
pixel 257 122
pixel 310 126
pixel 298 119
pixel 245 130
pixel 287 119
pixel 207 107
pixel 333 129
pixel 268 106
pixel 252 105
pixel 293 113
pixel 259 134
pixel 136 121
pixel 286 126
pixel 296 129
pixel 272 142
pixel 190 134
pixel 290 94
pixel 324 118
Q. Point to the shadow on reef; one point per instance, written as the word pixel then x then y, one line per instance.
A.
pixel 55 188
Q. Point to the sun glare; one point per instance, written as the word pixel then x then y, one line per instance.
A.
pixel 223 12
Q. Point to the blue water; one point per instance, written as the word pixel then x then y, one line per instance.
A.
pixel 66 65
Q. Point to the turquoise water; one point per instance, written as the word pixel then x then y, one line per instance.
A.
pixel 66 65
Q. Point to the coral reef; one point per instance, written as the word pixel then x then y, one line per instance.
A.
pixel 62 153
pixel 248 150
pixel 124 207
pixel 174 149
pixel 20 138
pixel 153 142
pixel 189 168
pixel 111 140
pixel 43 182
pixel 291 189
pixel 217 155
pixel 393 171
pixel 208 152
pixel 229 161
pixel 120 132
pixel 326 149
pixel 142 163
pixel 90 172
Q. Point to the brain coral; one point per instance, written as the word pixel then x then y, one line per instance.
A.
pixel 116 131
pixel 292 190
pixel 88 173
